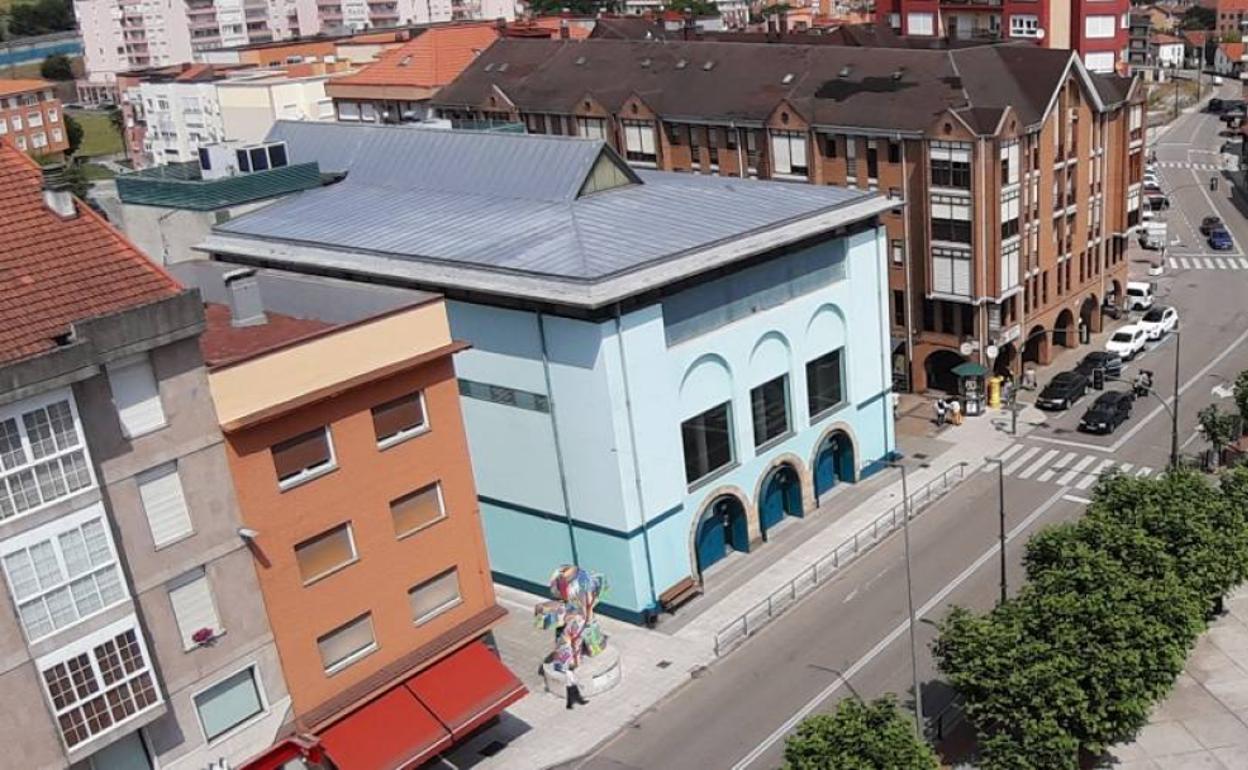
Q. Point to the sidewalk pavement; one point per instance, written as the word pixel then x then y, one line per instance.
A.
pixel 538 732
pixel 1204 721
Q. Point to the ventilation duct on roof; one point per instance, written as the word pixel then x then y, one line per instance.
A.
pixel 580 61
pixel 710 65
pixel 899 73
pixel 788 78
pixel 645 63
pixel 681 64
pixel 845 71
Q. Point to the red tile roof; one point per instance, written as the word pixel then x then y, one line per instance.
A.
pixel 431 59
pixel 1231 5
pixel 54 272
pixel 222 342
pixel 9 86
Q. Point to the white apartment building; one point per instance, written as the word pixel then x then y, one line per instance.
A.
pixel 321 16
pixel 180 117
pixel 251 103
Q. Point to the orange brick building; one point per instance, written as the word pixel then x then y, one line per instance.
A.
pixel 31 117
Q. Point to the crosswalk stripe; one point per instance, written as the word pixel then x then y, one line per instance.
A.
pixel 1185 264
pixel 1018 461
pixel 1243 264
pixel 1090 478
pixel 1143 473
pixel 1055 467
pixel 1038 464
pixel 1208 263
pixel 1010 450
pixel 1075 470
pixel 1123 468
pixel 1221 263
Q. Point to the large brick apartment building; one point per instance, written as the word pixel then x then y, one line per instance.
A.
pixel 1020 167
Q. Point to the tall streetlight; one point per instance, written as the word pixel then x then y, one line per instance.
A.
pixel 1173 411
pixel 914 650
pixel 1001 518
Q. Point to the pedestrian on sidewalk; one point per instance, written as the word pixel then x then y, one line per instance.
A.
pixel 955 409
pixel 572 689
pixel 940 412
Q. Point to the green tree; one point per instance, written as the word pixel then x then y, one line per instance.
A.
pixel 1241 394
pixel 57 67
pixel 698 8
pixel 1218 427
pixel 1233 36
pixel 73 134
pixel 1199 17
pixel 41 17
pixel 858 736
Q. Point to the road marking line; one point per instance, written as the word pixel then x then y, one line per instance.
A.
pixel 1243 264
pixel 1018 461
pixel 1075 444
pixel 1055 467
pixel 1222 264
pixel 1208 264
pixel 1077 499
pixel 1143 473
pixel 1090 478
pixel 891 637
pixel 1078 467
pixel 1123 468
pixel 1038 464
pixel 1005 455
pixel 1186 266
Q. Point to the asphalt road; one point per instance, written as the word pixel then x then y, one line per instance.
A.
pixel 850 637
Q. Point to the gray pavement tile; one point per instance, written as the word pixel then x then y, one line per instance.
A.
pixel 1197 760
pixel 1208 663
pixel 1189 700
pixel 1218 731
pixel 1233 758
pixel 1232 693
pixel 1165 739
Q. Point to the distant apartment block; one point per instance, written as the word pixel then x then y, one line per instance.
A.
pixel 30 117
pixel 133 633
pixel 313 17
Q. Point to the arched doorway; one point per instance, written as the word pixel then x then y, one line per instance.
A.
pixel 834 462
pixel 1004 363
pixel 721 527
pixel 1036 351
pixel 939 367
pixel 782 496
pixel 1089 313
pixel 1064 330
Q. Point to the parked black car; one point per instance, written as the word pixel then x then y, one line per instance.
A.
pixel 1100 359
pixel 1209 224
pixel 1215 106
pixel 1062 391
pixel 1158 202
pixel 1107 412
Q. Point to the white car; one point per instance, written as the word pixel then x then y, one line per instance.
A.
pixel 1127 342
pixel 1159 321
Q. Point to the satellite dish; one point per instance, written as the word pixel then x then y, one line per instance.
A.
pixel 967 348
pixel 1040 34
pixel 991 351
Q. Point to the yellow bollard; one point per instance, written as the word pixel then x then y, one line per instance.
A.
pixel 994 392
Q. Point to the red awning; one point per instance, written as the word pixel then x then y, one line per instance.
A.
pixel 393 731
pixel 467 688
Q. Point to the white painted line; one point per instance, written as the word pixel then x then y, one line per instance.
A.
pixel 1075 470
pixel 1005 455
pixel 1055 467
pixel 1123 468
pixel 1243 264
pixel 1143 473
pixel 1077 499
pixel 1186 266
pixel 1038 464
pixel 1222 264
pixel 778 734
pixel 1090 478
pixel 1076 444
pixel 1208 264
pixel 1018 461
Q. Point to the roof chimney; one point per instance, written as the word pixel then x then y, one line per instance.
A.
pixel 56 194
pixel 246 306
pixel 563 29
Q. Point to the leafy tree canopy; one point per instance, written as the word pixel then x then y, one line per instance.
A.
pixel 57 67
pixel 41 17
pixel 858 736
pixel 1199 17
pixel 73 134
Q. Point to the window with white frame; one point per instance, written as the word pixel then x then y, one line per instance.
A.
pixel 193 607
pixel 38 140
pixel 34 119
pixel 42 455
pixel 326 553
pixel 303 457
pixel 4 127
pixel 399 419
pixel 1133 199
pixel 638 140
pixel 951 218
pixel 894 21
pixel 348 111
pixel 53 115
pixel 1102 61
pixel 1024 25
pixel 1009 163
pixel 591 128
pixel 920 24
pixel 16 121
pixel 21 141
pixel 416 510
pixel 99 682
pixel 434 596
pixel 63 572
pixel 1010 265
pixel 951 271
pixel 1136 117
pixel 1099 27
pixel 347 643
pixel 950 164
pixel 1009 214
pixel 229 703
pixel 136 396
pixel 56 135
pixel 164 504
pixel 368 112
pixel 788 153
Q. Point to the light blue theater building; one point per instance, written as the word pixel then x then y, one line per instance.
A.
pixel 663 366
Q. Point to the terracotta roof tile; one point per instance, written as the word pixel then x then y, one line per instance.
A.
pixel 432 59
pixel 54 272
pixel 222 342
pixel 19 86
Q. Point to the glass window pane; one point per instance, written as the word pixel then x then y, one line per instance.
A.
pixel 769 403
pixel 61 606
pixel 74 551
pixel 435 596
pixel 824 383
pixel 39 433
pixel 22 578
pixel 46 566
pixel 416 510
pixel 61 418
pixel 328 551
pixel 707 442
pixel 11 452
pixel 229 703
pixel 86 596
pixel 96 537
pixel 111 589
pixel 352 639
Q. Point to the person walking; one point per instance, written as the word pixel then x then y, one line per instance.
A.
pixel 955 410
pixel 572 689
pixel 940 412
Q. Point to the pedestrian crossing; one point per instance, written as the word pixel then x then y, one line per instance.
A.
pixel 1192 166
pixel 1208 263
pixel 1062 467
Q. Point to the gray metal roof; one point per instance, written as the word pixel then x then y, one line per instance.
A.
pixel 483 211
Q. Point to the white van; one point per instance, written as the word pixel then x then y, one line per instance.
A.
pixel 1139 295
pixel 1154 235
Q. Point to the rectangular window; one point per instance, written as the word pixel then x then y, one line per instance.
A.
pixel 1102 61
pixel 243 159
pixel 707 440
pixel 42 455
pixel 873 160
pixel 501 394
pixel 193 606
pixel 638 140
pixel 920 24
pixel 303 457
pixel 951 219
pixel 348 111
pixel 399 419
pixel 788 153
pixel 770 405
pixel 829 145
pixel 64 572
pixel 1099 27
pixel 164 504
pixel 1010 258
pixel 137 396
pixel 898 251
pixel 950 165
pixel 899 307
pixel 229 703
pixel 53 116
pixel 1009 214
pixel 1009 163
pixel 894 152
pixel 434 596
pixel 347 643
pixel 1024 25
pixel 100 682
pixel 951 271
pixel 824 384
pixel 591 128
pixel 325 553
pixel 368 112
pixel 417 510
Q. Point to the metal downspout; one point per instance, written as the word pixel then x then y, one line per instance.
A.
pixel 906 244
pixel 554 427
pixel 632 442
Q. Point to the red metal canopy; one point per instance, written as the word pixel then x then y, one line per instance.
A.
pixel 394 731
pixel 467 688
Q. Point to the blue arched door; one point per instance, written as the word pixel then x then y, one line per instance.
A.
pixel 721 528
pixel 834 463
pixel 782 495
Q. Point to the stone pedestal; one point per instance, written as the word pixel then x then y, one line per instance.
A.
pixel 595 675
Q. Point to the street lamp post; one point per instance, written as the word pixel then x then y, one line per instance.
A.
pixel 1001 518
pixel 914 650
pixel 1171 410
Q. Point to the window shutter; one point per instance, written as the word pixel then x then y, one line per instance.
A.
pixel 301 452
pixel 416 510
pixel 780 150
pixel 942 278
pixel 193 607
pixel 647 138
pixel 345 641
pixel 396 416
pixel 324 553
pixel 433 596
pixel 136 396
pixel 797 147
pixel 164 504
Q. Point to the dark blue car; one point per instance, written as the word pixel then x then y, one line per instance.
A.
pixel 1220 240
